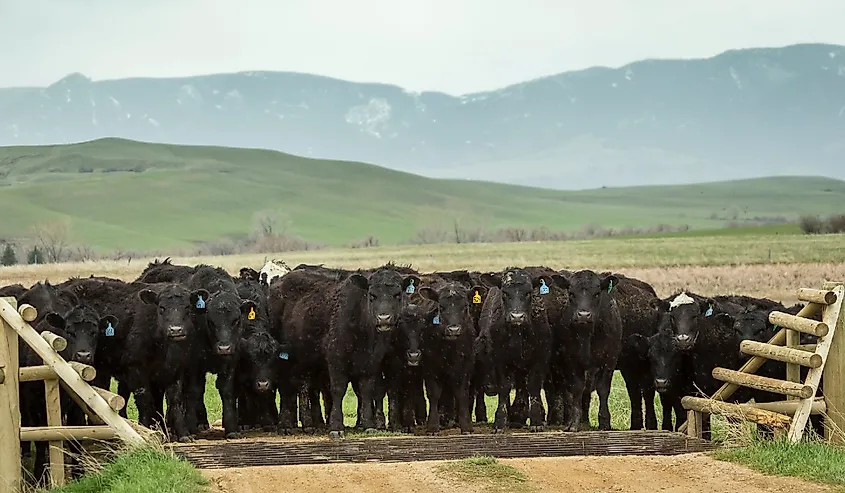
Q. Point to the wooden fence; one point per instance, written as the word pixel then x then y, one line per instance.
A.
pixel 826 356
pixel 99 405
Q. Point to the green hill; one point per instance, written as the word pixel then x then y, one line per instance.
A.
pixel 131 195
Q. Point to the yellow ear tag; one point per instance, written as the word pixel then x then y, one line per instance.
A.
pixel 476 298
pixel 251 315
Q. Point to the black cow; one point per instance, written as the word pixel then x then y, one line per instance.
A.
pixel 515 321
pixel 450 355
pixel 364 311
pixel 159 351
pixel 13 291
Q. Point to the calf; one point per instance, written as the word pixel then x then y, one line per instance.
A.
pixel 159 351
pixel 402 367
pixel 364 311
pixel 450 354
pixel 258 378
pixel 514 320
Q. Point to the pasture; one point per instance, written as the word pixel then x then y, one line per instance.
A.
pixel 760 266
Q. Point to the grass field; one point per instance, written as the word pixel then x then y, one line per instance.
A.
pixel 120 194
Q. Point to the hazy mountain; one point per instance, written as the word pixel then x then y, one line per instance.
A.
pixel 741 114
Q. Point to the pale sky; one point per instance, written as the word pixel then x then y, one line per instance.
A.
pixel 455 46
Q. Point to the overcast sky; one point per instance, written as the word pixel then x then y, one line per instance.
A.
pixel 456 46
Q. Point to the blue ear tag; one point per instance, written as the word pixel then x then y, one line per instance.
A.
pixel 200 302
pixel 410 289
pixel 284 355
pixel 109 331
pixel 610 287
pixel 709 311
pixel 436 320
pixel 543 288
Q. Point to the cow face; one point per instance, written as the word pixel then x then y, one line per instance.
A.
pixel 224 313
pixel 518 289
pixel 586 290
pixel 453 302
pixel 176 309
pixel 82 327
pixel 413 322
pixel 686 315
pixel 386 289
pixel 663 355
pixel 260 357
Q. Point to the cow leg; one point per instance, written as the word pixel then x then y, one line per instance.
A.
pixel 367 403
pixel 339 384
pixel 435 392
pixel 518 413
pixel 573 390
pixel 604 380
pixel 124 391
pixel 144 398
pixel 359 409
pixel 305 408
pixel 680 412
pixel 632 385
pixel 667 405
pixel 587 397
pixel 379 393
pixel 463 403
pixel 505 384
pixel 648 402
pixel 316 410
pixel 536 412
pixel 228 398
pixel 480 406
pixel 287 406
pixel 419 402
pixel 176 408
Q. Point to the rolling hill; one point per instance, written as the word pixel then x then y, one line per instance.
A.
pixel 121 194
pixel 742 114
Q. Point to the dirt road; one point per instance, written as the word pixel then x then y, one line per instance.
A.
pixel 677 474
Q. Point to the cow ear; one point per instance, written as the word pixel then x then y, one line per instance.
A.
pixel 148 296
pixel 106 322
pixel 55 320
pixel 560 281
pixel 249 309
pixel 199 298
pixel 661 305
pixel 724 320
pixel 410 284
pixel 359 281
pixel 639 343
pixel 707 306
pixel 477 294
pixel 428 293
pixel 493 279
pixel 609 282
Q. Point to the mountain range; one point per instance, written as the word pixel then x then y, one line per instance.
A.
pixel 741 114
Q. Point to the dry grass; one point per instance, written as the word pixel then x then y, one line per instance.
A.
pixel 770 266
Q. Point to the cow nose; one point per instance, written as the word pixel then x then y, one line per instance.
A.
pixel 224 349
pixel 414 358
pixel 517 316
pixel 83 356
pixel 384 319
pixel 584 316
pixel 176 332
pixel 661 383
pixel 453 331
pixel 262 385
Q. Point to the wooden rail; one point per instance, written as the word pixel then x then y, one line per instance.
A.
pixel 101 405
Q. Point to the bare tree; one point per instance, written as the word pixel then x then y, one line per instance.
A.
pixel 269 223
pixel 53 238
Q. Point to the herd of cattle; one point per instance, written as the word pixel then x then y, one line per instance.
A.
pixel 432 343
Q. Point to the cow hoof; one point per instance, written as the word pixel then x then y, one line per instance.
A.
pixel 336 435
pixel 308 429
pixel 203 427
pixel 466 433
pixel 185 439
pixel 498 430
pixel 371 431
pixel 283 431
pixel 536 429
pixel 269 428
pixel 233 436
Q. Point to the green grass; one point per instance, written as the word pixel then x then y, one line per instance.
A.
pixel 179 195
pixel 487 472
pixel 142 470
pixel 810 460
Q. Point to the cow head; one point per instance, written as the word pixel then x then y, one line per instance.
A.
pixel 176 309
pixel 249 274
pixel 224 313
pixel 385 290
pixel 413 321
pixel 663 355
pixel 260 357
pixel 587 290
pixel 518 289
pixel 453 301
pixel 686 313
pixel 82 327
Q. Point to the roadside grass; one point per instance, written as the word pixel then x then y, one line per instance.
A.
pixel 488 472
pixel 814 460
pixel 140 470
